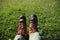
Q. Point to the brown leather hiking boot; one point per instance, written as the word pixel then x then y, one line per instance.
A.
pixel 22 26
pixel 33 24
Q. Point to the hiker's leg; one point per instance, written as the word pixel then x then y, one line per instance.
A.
pixel 19 37
pixel 33 31
pixel 34 36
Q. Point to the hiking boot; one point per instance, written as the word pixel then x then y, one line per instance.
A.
pixel 33 24
pixel 22 26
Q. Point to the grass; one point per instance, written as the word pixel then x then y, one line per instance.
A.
pixel 47 11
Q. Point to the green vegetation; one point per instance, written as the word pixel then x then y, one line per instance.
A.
pixel 47 11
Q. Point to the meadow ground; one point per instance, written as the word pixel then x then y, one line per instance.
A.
pixel 47 11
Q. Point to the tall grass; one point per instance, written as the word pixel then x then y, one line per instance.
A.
pixel 47 11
